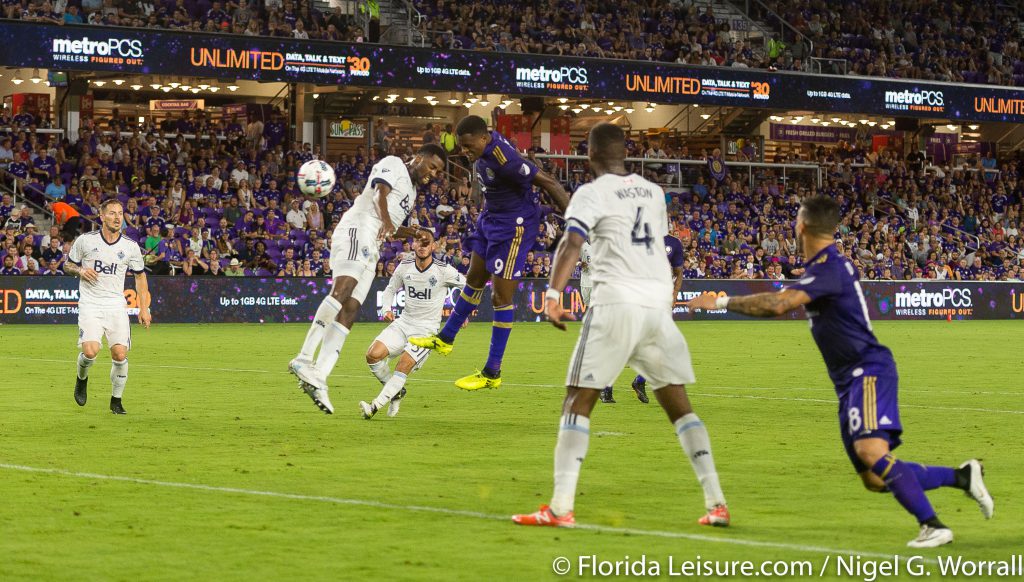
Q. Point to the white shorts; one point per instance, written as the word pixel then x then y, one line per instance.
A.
pixel 644 338
pixel 354 253
pixel 395 338
pixel 94 324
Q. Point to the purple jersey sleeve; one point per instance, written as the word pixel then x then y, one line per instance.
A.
pixel 820 279
pixel 674 248
pixel 515 168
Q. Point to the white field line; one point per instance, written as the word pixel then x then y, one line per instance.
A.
pixel 443 511
pixel 830 401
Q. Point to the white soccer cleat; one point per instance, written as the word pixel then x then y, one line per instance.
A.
pixel 931 537
pixel 977 490
pixel 323 402
pixel 310 375
pixel 298 363
pixel 396 403
pixel 368 410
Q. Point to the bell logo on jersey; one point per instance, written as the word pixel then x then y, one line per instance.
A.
pixel 100 267
pixel 422 294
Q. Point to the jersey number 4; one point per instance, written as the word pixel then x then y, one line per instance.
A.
pixel 642 231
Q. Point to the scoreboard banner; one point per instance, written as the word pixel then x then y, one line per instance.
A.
pixel 165 52
pixel 294 300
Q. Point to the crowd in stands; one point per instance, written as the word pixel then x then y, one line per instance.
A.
pixel 226 203
pixel 277 18
pixel 973 42
pixel 976 42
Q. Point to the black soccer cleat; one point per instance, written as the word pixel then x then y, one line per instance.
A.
pixel 640 387
pixel 606 396
pixel 398 397
pixel 81 390
pixel 115 406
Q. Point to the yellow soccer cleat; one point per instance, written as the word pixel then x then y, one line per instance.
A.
pixel 477 381
pixel 433 343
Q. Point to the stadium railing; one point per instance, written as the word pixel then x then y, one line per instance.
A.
pixel 682 173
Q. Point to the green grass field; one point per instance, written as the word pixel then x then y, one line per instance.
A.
pixel 223 470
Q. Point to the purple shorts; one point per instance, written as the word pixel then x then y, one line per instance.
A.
pixel 869 408
pixel 503 240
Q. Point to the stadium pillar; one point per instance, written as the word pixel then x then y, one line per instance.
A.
pixel 302 113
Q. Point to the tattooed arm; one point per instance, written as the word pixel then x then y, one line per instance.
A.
pixel 757 305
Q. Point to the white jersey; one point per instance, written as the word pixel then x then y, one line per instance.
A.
pixel 624 218
pixel 586 269
pixel 111 261
pixel 424 291
pixel 365 212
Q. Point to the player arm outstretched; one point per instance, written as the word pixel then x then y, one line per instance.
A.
pixel 756 305
pixel 553 187
pixel 388 297
pixel 145 299
pixel 677 282
pixel 383 189
pixel 565 261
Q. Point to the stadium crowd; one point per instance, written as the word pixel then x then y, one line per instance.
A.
pixel 226 203
pixel 977 42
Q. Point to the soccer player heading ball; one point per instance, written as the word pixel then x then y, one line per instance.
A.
pixel 862 370
pixel 510 217
pixel 377 213
pixel 101 259
pixel 629 321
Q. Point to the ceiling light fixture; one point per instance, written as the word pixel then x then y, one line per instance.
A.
pixel 453 101
pixel 36 78
pixel 17 80
pixel 99 83
pixel 119 82
pixel 232 88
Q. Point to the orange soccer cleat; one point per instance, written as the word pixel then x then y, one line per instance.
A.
pixel 545 517
pixel 717 516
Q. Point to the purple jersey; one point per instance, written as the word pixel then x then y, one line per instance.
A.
pixel 839 319
pixel 674 248
pixel 506 178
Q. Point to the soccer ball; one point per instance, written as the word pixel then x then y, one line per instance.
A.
pixel 316 178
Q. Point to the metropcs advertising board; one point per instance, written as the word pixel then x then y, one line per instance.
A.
pixel 167 52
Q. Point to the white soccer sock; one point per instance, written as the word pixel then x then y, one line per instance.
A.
pixel 571 449
pixel 118 377
pixel 393 386
pixel 697 446
pixel 325 314
pixel 334 340
pixel 84 364
pixel 381 370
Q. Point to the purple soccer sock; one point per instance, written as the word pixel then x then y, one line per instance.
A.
pixel 904 486
pixel 933 477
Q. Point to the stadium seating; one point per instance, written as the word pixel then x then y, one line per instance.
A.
pixel 966 227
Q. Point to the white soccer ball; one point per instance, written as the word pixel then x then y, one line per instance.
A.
pixel 316 178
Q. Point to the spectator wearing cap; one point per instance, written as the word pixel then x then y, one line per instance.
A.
pixel 234 269
pixel 52 268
